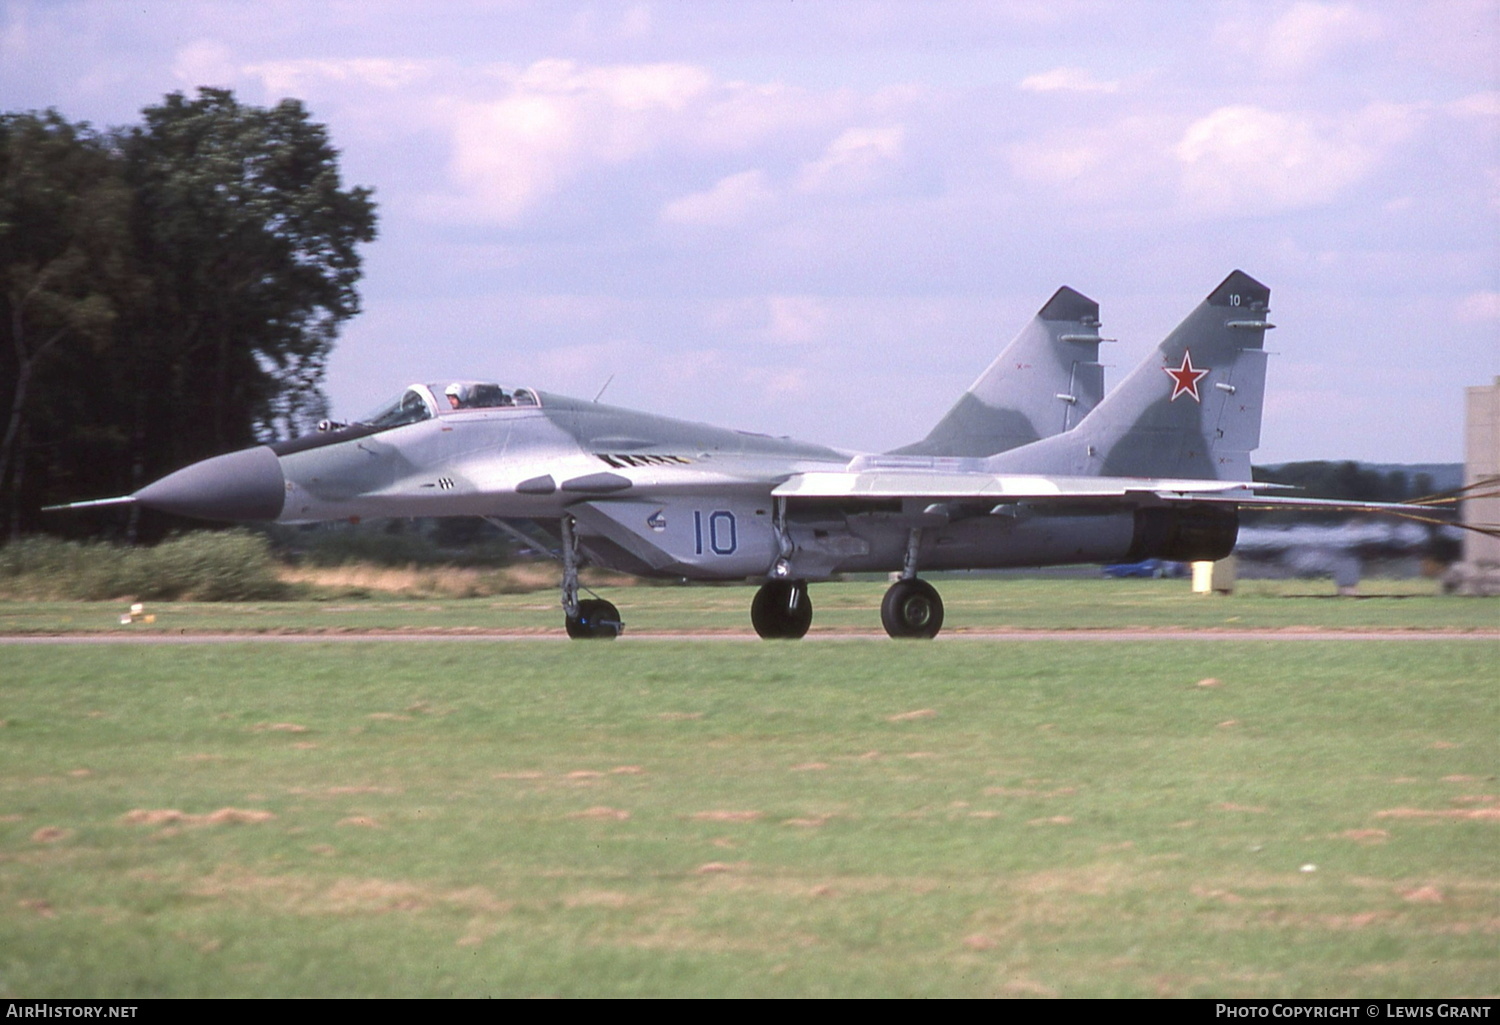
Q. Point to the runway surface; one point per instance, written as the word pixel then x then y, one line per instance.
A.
pixel 953 637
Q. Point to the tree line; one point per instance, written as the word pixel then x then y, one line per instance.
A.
pixel 169 290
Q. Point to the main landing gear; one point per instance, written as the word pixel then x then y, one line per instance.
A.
pixel 782 610
pixel 912 608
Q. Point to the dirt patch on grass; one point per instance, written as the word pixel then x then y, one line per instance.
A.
pixel 50 834
pixel 722 815
pixel 598 899
pixel 1485 814
pixel 41 908
pixel 1029 792
pixel 171 816
pixel 602 812
pixel 224 816
pixel 920 713
pixel 344 896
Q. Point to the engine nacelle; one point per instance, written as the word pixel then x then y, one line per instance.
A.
pixel 1184 534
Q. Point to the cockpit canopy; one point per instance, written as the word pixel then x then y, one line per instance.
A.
pixel 424 401
pixel 480 395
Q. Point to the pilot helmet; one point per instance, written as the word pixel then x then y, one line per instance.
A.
pixel 459 392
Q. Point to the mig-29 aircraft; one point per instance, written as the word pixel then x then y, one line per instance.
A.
pixel 1032 467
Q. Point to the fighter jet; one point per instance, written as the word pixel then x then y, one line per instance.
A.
pixel 1030 468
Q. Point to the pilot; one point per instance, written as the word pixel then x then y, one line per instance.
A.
pixel 458 396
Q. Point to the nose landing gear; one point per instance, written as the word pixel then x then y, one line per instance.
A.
pixel 782 610
pixel 592 618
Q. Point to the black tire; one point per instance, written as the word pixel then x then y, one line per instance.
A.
pixel 597 620
pixel 912 608
pixel 782 610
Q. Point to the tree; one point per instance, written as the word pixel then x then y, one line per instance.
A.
pixel 249 241
pixel 64 257
pixel 169 290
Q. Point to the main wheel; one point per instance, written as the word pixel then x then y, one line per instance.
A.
pixel 782 610
pixel 912 608
pixel 597 619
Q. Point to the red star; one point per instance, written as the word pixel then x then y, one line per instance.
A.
pixel 1185 378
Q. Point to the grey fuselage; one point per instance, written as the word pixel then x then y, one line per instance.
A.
pixel 656 496
pixel 650 495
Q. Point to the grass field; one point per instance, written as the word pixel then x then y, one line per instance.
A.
pixel 846 818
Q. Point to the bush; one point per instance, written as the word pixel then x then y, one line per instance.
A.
pixel 229 566
pixel 456 541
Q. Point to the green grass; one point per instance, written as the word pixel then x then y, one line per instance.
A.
pixel 855 818
pixel 973 603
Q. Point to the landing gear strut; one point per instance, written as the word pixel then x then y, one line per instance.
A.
pixel 912 607
pixel 591 618
pixel 782 610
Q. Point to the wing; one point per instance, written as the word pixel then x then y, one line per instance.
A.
pixel 1007 488
pixel 1008 491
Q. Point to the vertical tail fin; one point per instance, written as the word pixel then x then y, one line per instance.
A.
pixel 1192 409
pixel 1043 383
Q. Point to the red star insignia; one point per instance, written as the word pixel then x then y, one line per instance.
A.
pixel 1185 378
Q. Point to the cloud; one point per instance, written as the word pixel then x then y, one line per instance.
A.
pixel 1250 158
pixel 205 62
pixel 730 202
pixel 1310 33
pixel 1483 105
pixel 856 160
pixel 1072 80
pixel 1054 161
pixel 1479 308
pixel 796 319
pixel 293 77
pixel 554 119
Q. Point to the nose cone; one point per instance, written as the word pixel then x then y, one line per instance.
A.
pixel 245 485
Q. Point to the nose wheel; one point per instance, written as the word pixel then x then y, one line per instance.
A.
pixel 597 620
pixel 782 610
pixel 912 608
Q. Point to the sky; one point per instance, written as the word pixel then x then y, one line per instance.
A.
pixel 824 218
